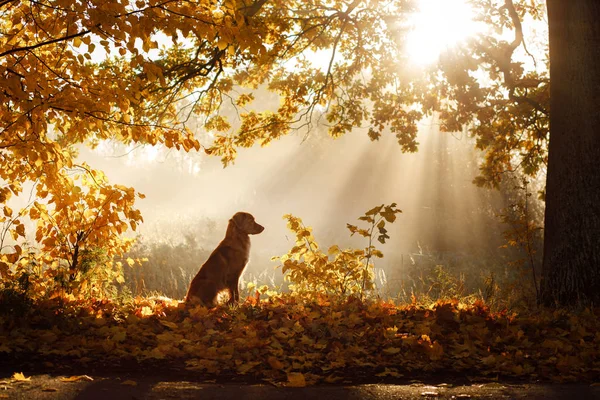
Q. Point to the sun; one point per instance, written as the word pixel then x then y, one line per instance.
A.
pixel 438 26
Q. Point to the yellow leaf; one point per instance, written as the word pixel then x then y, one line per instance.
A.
pixel 169 324
pixel 333 250
pixel 8 211
pixel 275 363
pixel 77 378
pixel 146 311
pixel 296 379
pixel 391 350
pixel 19 377
pixel 222 44
pixel 242 369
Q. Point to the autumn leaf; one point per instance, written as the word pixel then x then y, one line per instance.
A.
pixel 245 367
pixel 275 363
pixel 296 379
pixel 390 372
pixel 489 360
pixel 169 324
pixel 77 378
pixel 436 351
pixel 19 377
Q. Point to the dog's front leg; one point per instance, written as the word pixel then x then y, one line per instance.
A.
pixel 234 292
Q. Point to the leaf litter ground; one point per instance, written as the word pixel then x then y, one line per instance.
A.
pixel 286 341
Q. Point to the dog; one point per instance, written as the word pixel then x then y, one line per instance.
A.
pixel 226 263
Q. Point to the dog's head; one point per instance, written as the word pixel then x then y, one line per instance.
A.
pixel 245 222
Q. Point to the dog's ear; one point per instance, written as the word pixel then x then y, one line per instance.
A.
pixel 235 220
pixel 241 221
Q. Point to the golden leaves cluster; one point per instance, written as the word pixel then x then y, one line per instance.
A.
pixel 141 72
pixel 339 272
pixel 324 340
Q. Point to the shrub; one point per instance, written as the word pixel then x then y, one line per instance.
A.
pixel 340 272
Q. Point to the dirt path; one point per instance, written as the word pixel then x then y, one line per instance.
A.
pixel 138 388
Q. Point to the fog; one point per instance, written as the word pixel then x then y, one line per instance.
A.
pixel 328 183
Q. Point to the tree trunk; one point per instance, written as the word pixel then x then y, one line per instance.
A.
pixel 571 268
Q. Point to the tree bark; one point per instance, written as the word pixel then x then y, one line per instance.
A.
pixel 571 267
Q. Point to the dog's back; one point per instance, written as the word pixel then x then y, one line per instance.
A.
pixel 226 263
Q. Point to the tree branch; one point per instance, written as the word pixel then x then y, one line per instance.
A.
pixel 35 46
pixel 5 2
pixel 252 9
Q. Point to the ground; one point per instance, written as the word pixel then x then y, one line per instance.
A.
pixel 138 387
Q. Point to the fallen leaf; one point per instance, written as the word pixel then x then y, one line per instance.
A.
pixel 19 377
pixel 296 379
pixel 77 378
pixel 436 351
pixel 243 368
pixel 129 383
pixel 391 350
pixel 275 363
pixel 332 379
pixel 489 360
pixel 389 372
pixel 169 324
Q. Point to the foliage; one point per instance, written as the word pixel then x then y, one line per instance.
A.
pixel 339 272
pixel 284 341
pixel 37 276
pixel 145 71
pixel 75 222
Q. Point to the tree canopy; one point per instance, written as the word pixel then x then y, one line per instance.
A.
pixel 143 72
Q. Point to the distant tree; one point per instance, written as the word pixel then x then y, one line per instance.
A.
pixel 141 72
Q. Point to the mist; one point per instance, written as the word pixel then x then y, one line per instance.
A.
pixel 327 182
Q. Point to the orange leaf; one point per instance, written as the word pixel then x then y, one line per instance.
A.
pixel 296 379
